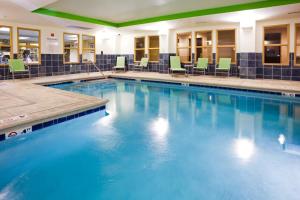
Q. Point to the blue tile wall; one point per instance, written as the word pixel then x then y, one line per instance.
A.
pixel 281 72
pixel 52 64
pixel 164 62
pixel 250 66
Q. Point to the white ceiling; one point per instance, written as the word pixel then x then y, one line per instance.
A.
pixel 125 10
pixel 12 11
pixel 279 12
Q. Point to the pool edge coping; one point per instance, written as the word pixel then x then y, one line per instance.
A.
pixel 50 121
pixel 210 85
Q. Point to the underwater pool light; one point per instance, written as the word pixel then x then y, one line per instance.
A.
pixel 281 140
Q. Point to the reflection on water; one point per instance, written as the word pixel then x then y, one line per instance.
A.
pixel 244 115
pixel 244 148
pixel 159 129
pixel 161 142
pixel 109 139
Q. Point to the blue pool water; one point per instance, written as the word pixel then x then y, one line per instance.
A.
pixel 160 141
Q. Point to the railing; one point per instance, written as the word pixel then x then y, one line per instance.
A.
pixel 89 63
pixel 41 71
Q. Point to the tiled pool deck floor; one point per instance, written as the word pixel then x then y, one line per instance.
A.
pixel 25 101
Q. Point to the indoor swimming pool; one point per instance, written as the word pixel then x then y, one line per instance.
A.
pixel 161 141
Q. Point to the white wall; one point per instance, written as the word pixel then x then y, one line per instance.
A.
pixel 214 28
pixel 45 33
pixel 247 39
pixel 125 44
pixel 118 41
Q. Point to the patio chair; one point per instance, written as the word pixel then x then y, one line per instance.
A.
pixel 224 65
pixel 142 65
pixel 120 65
pixel 16 66
pixel 176 65
pixel 202 65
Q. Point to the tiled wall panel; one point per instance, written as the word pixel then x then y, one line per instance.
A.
pixel 249 65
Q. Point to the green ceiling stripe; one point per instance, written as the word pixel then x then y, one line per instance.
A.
pixel 195 13
pixel 64 15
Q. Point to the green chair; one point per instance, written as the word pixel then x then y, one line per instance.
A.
pixel 202 65
pixel 120 63
pixel 142 65
pixel 176 65
pixel 16 66
pixel 224 65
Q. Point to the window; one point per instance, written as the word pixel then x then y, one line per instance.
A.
pixel 5 44
pixel 184 47
pixel 297 45
pixel 153 48
pixel 139 48
pixel 88 48
pixel 71 48
pixel 276 45
pixel 203 43
pixel 226 45
pixel 29 45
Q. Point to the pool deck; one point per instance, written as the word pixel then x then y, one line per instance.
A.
pixel 227 82
pixel 24 102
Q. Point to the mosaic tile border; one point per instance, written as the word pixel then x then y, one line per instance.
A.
pixel 59 120
pixel 209 86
